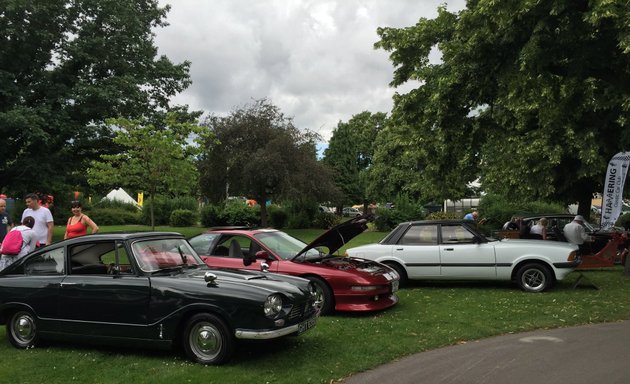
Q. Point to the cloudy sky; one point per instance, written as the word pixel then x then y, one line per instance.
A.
pixel 312 58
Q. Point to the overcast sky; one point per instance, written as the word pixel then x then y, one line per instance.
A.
pixel 313 59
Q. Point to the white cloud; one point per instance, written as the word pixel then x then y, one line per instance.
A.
pixel 314 59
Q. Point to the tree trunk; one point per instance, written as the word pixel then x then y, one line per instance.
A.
pixel 151 210
pixel 584 204
pixel 263 211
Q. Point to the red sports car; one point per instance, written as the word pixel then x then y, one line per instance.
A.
pixel 343 283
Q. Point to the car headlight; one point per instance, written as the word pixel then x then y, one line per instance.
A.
pixel 273 305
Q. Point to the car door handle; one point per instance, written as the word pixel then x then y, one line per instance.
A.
pixel 400 249
pixel 449 249
pixel 64 284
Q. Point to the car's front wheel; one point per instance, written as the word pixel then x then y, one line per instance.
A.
pixel 534 277
pixel 324 299
pixel 207 340
pixel 22 329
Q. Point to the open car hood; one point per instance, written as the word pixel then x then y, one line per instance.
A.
pixel 337 236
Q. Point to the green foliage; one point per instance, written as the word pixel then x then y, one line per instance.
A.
pixel 326 220
pixel 444 216
pixel 350 152
pixel 499 209
pixel 67 66
pixel 259 153
pixel 115 204
pixel 114 216
pixel 624 221
pixel 163 207
pixel 211 215
pixel 278 217
pixel 405 209
pixel 301 212
pixel 183 218
pixel 157 159
pixel 531 96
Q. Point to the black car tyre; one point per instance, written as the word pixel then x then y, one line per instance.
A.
pixel 22 329
pixel 401 272
pixel 534 277
pixel 207 340
pixel 325 300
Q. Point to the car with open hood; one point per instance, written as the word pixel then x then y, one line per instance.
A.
pixel 456 250
pixel 147 289
pixel 342 283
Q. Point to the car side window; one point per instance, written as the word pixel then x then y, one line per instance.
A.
pixel 201 244
pixel 456 234
pixel 223 247
pixel 420 235
pixel 47 263
pixel 98 258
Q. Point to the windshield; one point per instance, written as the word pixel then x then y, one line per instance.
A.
pixel 283 245
pixel 164 254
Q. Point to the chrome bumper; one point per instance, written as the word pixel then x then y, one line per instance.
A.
pixel 275 333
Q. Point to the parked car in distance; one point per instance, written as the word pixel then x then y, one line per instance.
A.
pixel 455 250
pixel 351 212
pixel 147 289
pixel 342 283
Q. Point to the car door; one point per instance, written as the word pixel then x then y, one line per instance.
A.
pixel 116 297
pixel 220 256
pixel 418 248
pixel 461 256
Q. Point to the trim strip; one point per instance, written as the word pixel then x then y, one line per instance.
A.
pixel 459 265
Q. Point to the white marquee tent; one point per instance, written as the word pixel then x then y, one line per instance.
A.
pixel 119 194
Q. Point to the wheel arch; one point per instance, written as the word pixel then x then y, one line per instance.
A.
pixel 541 262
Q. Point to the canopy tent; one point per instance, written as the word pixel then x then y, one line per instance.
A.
pixel 119 194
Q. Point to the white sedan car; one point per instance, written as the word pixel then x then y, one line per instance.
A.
pixel 455 250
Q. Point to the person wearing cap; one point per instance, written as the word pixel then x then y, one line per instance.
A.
pixel 576 234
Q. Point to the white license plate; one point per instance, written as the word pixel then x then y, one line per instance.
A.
pixel 395 285
pixel 306 325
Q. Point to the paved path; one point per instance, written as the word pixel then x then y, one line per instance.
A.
pixel 588 354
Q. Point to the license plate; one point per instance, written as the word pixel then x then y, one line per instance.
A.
pixel 395 285
pixel 306 325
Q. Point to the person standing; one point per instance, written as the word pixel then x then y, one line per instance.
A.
pixel 471 216
pixel 29 242
pixel 5 220
pixel 78 223
pixel 43 219
pixel 576 234
pixel 539 231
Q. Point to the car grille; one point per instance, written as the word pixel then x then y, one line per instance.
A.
pixel 301 310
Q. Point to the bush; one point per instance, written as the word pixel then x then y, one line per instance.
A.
pixel 211 216
pixel 302 213
pixel 114 216
pixel 183 218
pixel 114 204
pixel 624 221
pixel 326 220
pixel 239 214
pixel 164 206
pixel 404 209
pixel 444 216
pixel 278 217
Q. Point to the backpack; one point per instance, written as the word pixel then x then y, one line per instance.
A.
pixel 12 244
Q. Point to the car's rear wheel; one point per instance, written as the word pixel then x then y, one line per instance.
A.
pixel 534 277
pixel 207 340
pixel 324 299
pixel 22 329
pixel 401 272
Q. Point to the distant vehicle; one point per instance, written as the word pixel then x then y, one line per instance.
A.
pixel 455 250
pixel 351 212
pixel 147 289
pixel 342 283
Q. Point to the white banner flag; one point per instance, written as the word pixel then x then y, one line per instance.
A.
pixel 612 198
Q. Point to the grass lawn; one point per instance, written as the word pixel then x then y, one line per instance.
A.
pixel 429 315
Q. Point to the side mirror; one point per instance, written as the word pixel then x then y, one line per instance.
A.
pixel 263 255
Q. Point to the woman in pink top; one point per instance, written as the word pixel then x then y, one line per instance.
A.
pixel 78 223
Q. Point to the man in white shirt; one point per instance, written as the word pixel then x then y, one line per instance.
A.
pixel 576 234
pixel 43 219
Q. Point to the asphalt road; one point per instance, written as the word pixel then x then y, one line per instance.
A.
pixel 588 354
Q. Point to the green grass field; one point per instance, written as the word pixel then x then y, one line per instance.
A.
pixel 429 315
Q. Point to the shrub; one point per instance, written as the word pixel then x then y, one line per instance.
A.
pixel 211 216
pixel 624 221
pixel 302 213
pixel 114 216
pixel 163 206
pixel 115 204
pixel 326 220
pixel 499 209
pixel 278 217
pixel 239 214
pixel 183 218
pixel 444 216
pixel 404 209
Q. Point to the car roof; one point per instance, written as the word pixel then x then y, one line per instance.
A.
pixel 121 236
pixel 240 230
pixel 444 221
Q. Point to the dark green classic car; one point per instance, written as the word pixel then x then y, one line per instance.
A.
pixel 148 289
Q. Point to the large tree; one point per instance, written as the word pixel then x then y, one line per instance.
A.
pixel 257 152
pixel 533 96
pixel 66 66
pixel 349 154
pixel 156 159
